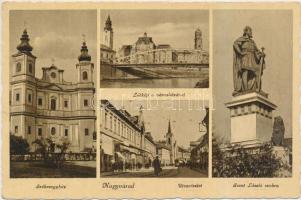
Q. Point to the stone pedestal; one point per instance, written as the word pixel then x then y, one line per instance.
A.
pixel 251 119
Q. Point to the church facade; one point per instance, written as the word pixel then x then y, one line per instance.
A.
pixel 51 107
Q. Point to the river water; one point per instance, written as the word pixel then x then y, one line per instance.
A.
pixel 151 83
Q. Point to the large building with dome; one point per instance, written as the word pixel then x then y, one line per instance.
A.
pixel 51 107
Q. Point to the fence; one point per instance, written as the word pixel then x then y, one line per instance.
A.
pixel 63 156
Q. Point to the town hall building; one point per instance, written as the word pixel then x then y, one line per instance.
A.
pixel 51 107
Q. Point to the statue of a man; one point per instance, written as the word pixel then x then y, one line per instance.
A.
pixel 248 64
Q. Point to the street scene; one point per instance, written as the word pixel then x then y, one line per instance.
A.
pixel 153 48
pixel 165 138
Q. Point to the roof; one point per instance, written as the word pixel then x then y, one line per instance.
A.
pixel 163 46
pixel 105 48
pixel 145 40
pixel 122 113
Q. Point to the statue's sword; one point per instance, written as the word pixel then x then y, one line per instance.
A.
pixel 260 71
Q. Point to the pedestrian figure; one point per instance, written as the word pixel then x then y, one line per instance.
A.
pixel 157 166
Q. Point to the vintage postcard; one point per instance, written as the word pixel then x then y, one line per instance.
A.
pixel 150 100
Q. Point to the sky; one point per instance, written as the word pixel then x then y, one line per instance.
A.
pixel 272 30
pixel 55 35
pixel 184 116
pixel 174 27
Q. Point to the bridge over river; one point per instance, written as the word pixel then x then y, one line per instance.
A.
pixel 163 70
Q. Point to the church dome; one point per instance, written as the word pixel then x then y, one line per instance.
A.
pixel 84 56
pixel 24 46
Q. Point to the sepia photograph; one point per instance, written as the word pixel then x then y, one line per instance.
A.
pixel 155 138
pixel 252 93
pixel 52 90
pixel 154 49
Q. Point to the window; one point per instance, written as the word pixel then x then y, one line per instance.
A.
pixel 94 135
pixel 53 104
pixel 106 118
pixel 40 101
pixel 29 98
pixel 115 129
pixel 18 67
pixel 17 97
pixel 86 132
pixel 39 131
pixel 111 123
pixel 29 130
pixel 66 132
pixel 30 68
pixel 85 102
pixel 53 74
pixel 66 103
pixel 85 75
pixel 16 129
pixel 52 131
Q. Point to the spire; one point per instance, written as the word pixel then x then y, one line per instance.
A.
pixel 84 56
pixel 24 46
pixel 198 30
pixel 108 24
pixel 169 127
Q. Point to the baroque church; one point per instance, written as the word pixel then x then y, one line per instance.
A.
pixel 50 107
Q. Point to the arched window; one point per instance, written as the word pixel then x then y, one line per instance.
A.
pixel 30 68
pixel 85 75
pixel 53 104
pixel 18 67
pixel 52 131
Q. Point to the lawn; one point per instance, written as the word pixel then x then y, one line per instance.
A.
pixel 39 170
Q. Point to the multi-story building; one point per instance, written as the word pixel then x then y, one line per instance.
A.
pixel 145 51
pixel 183 155
pixel 123 139
pixel 200 148
pixel 163 153
pixel 165 54
pixel 51 107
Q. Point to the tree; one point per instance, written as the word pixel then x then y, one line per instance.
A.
pixel 236 161
pixel 18 145
pixel 53 152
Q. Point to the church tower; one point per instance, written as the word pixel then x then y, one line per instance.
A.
pixel 84 67
pixel 85 79
pixel 198 43
pixel 23 91
pixel 108 33
pixel 170 142
pixel 85 97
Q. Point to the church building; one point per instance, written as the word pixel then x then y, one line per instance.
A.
pixel 50 107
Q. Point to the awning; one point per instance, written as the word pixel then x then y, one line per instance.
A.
pixel 129 149
pixel 120 155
